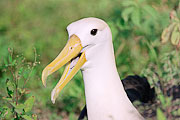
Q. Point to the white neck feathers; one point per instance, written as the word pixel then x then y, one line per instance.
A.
pixel 105 96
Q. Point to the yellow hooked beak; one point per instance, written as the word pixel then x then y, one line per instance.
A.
pixel 73 58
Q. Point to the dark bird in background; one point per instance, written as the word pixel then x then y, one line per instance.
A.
pixel 137 88
pixel 174 91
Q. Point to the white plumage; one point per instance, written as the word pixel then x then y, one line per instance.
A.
pixel 105 96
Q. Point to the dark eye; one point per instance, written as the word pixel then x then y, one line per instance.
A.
pixel 94 32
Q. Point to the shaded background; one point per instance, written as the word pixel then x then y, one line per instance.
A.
pixel 36 30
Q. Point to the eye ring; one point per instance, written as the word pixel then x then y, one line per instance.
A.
pixel 94 32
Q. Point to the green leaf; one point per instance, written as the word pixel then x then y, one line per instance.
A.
pixel 10 88
pixel 160 115
pixel 175 37
pixel 13 104
pixel 135 17
pixel 5 62
pixel 168 101
pixel 10 59
pixel 19 108
pixel 21 90
pixel 162 99
pixel 150 10
pixel 19 111
pixel 29 104
pixel 10 92
pixel 126 12
pixel 166 34
pixel 178 111
pixel 20 71
pixel 26 74
pixel 7 99
pixel 10 85
pixel 27 117
pixel 14 62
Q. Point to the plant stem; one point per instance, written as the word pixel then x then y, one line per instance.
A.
pixel 177 53
pixel 34 64
pixel 15 81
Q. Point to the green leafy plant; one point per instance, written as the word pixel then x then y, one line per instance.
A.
pixel 163 81
pixel 17 102
pixel 160 115
pixel 172 32
pixel 162 69
pixel 138 11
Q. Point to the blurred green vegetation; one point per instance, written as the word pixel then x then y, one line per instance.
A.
pixel 40 25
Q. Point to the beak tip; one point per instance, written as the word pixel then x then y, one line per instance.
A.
pixel 53 96
pixel 53 101
pixel 44 85
pixel 44 82
pixel 44 77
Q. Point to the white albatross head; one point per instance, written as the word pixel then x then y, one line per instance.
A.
pixel 90 49
pixel 85 36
